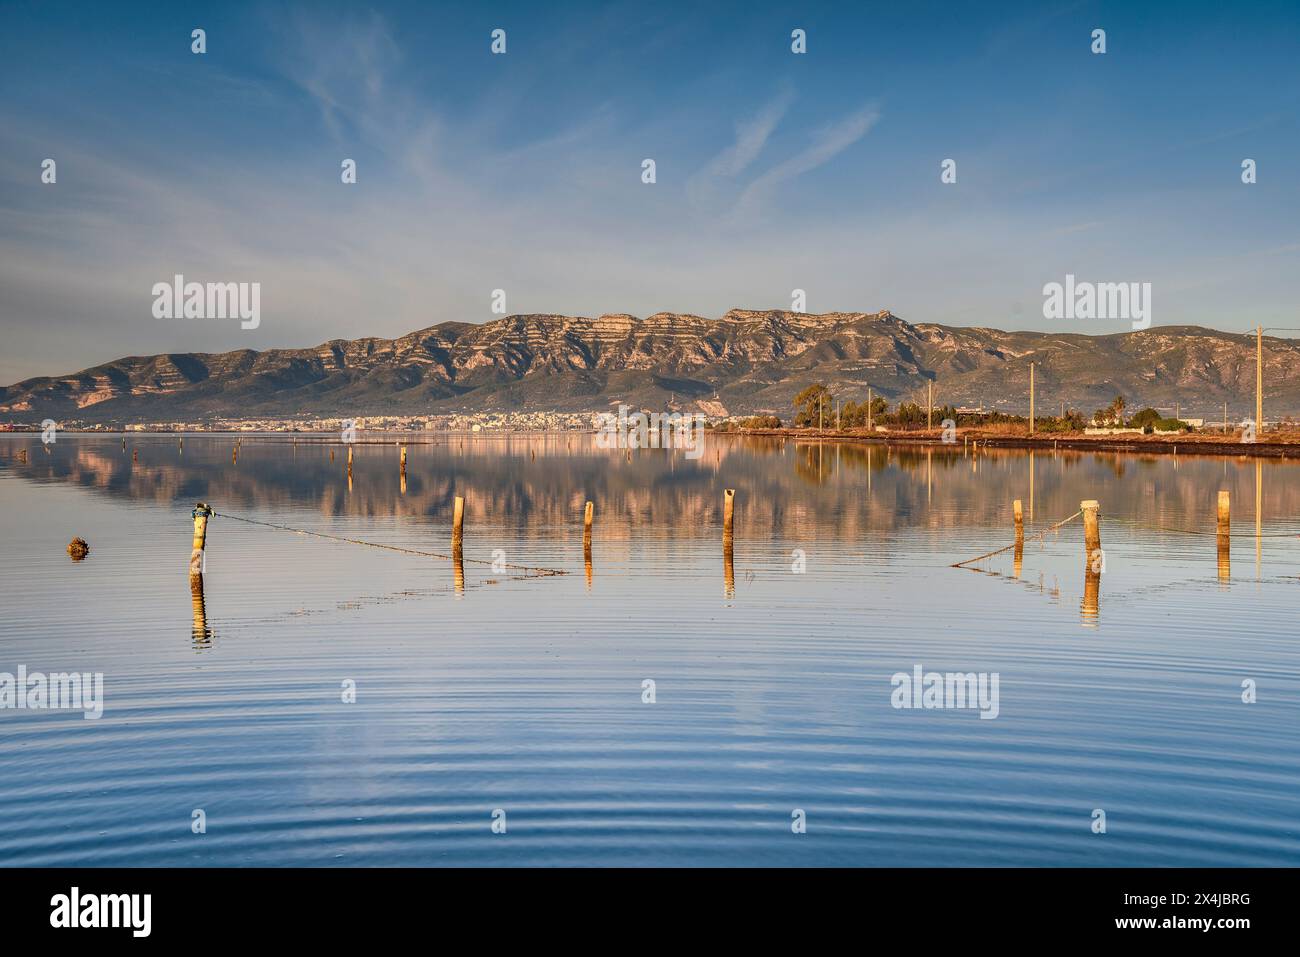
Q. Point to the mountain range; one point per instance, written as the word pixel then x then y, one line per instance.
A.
pixel 746 362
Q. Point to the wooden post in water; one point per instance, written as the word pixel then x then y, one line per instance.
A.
pixel 587 515
pixel 458 523
pixel 1093 560
pixel 201 513
pixel 1091 528
pixel 728 565
pixel 1223 537
pixel 1018 514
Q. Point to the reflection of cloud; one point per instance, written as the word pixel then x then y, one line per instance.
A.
pixel 826 145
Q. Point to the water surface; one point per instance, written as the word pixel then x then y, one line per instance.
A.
pixel 524 692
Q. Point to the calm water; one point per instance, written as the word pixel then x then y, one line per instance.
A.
pixel 524 693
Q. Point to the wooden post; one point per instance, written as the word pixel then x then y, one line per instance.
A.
pixel 1031 398
pixel 458 522
pixel 1223 538
pixel 201 513
pixel 587 516
pixel 1259 380
pixel 403 458
pixel 349 466
pixel 1091 528
pixel 728 512
pixel 1018 513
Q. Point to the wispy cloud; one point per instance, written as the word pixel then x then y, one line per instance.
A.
pixel 826 145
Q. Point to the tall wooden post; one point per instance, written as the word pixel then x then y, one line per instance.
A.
pixel 1031 398
pixel 1018 514
pixel 1259 380
pixel 929 405
pixel 1223 537
pixel 587 514
pixel 728 513
pixel 458 522
pixel 1091 528
pixel 201 513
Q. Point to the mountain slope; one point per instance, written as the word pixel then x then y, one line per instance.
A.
pixel 748 361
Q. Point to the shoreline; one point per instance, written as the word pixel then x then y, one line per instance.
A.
pixel 1149 444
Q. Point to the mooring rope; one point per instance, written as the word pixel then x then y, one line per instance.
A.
pixel 1197 531
pixel 1050 528
pixel 531 569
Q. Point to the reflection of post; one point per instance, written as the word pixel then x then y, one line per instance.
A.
pixel 458 568
pixel 929 475
pixel 1223 535
pixel 200 634
pixel 1259 516
pixel 1091 607
pixel 728 572
pixel 1018 514
pixel 1031 484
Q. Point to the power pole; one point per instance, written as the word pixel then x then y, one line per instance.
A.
pixel 869 400
pixel 837 415
pixel 1259 379
pixel 929 405
pixel 1225 418
pixel 1031 398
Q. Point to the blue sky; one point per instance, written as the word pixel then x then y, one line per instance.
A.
pixel 522 172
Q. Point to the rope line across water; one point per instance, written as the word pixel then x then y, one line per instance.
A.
pixel 1049 528
pixel 531 569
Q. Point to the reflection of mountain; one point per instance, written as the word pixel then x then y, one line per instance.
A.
pixel 787 490
pixel 747 360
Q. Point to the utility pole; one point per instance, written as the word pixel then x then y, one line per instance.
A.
pixel 1225 418
pixel 1259 379
pixel 837 415
pixel 1031 398
pixel 869 400
pixel 929 405
pixel 821 411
